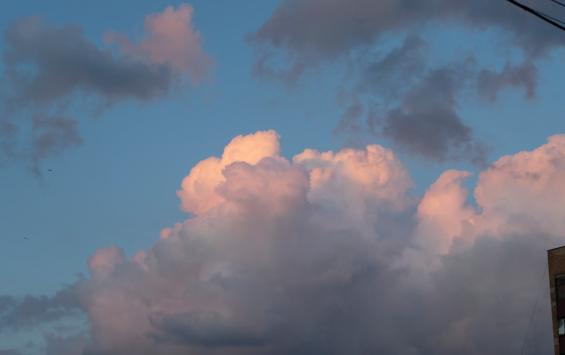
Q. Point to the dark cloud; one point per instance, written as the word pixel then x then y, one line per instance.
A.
pixel 52 135
pixel 46 67
pixel 427 122
pixel 396 70
pixel 305 34
pixel 44 63
pixel 51 71
pixel 17 314
pixel 9 352
pixel 8 133
pixel 524 75
pixel 71 345
pixel 204 329
pixel 317 30
pixel 6 302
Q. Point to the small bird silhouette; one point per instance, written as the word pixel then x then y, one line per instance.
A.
pixel 49 170
pixel 26 238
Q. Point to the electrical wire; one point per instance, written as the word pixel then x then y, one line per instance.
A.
pixel 558 2
pixel 534 308
pixel 552 17
pixel 549 19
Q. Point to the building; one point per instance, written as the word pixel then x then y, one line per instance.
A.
pixel 556 264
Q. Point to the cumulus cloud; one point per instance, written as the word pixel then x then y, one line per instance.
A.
pixel 305 34
pixel 48 68
pixel 331 253
pixel 522 191
pixel 171 40
pixel 199 189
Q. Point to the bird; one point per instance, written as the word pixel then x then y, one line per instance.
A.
pixel 49 170
pixel 26 238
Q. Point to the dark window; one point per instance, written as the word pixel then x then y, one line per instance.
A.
pixel 560 287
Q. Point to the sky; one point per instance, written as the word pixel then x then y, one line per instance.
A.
pixel 278 176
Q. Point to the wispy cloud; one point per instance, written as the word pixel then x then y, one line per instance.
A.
pixel 50 68
pixel 301 35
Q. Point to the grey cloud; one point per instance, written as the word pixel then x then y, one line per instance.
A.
pixel 396 70
pixel 71 345
pixel 204 329
pixel 6 302
pixel 324 29
pixel 28 312
pixel 386 76
pixel 432 132
pixel 311 32
pixel 427 122
pixel 47 68
pixel 316 29
pixel 50 72
pixel 8 133
pixel 63 62
pixel 9 352
pixel 52 135
pixel 496 297
pixel 524 75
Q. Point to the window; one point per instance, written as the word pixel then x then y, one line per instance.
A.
pixel 561 328
pixel 560 286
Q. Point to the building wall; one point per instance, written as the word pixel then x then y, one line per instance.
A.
pixel 556 263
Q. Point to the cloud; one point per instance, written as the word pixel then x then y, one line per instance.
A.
pixel 104 261
pixel 199 189
pixel 205 329
pixel 9 352
pixel 524 75
pixel 400 66
pixel 66 62
pixel 427 122
pixel 301 35
pixel 443 214
pixel 525 187
pixel 53 135
pixel 331 253
pixel 342 25
pixel 25 313
pixel 57 345
pixel 171 40
pixel 49 69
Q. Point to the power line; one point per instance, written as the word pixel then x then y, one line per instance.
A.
pixel 535 306
pixel 552 17
pixel 549 19
pixel 558 2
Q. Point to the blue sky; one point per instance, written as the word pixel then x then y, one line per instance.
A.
pixel 118 187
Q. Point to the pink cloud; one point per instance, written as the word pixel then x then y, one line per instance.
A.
pixel 277 249
pixel 198 193
pixel 170 40
pixel 525 191
pixel 105 260
pixel 443 212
